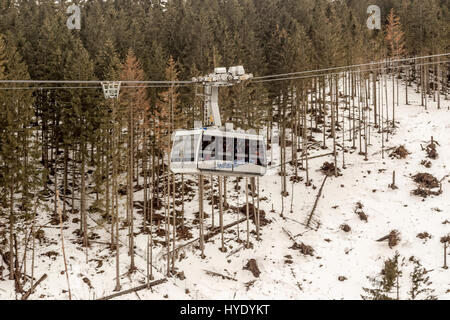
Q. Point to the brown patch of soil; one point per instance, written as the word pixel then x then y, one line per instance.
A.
pixel 252 266
pixel 359 211
pixel 160 232
pixel 55 219
pixel 400 153
pixel 328 168
pixel 51 254
pixel 424 193
pixel 431 151
pixel 424 235
pixel 426 163
pixel 304 249
pixel 426 180
pixel 362 216
pixel 184 233
pixel 296 179
pixel 251 209
pixel 394 238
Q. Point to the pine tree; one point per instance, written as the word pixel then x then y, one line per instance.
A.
pixel 135 101
pixel 382 288
pixel 81 119
pixel 420 283
pixel 395 36
pixel 19 172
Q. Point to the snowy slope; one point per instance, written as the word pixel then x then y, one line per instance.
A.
pixel 353 255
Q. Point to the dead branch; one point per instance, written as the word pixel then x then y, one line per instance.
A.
pixel 235 251
pixel 383 238
pixel 29 292
pixel 289 235
pixel 316 202
pixel 142 287
pixel 215 274
pixel 208 236
pixel 249 284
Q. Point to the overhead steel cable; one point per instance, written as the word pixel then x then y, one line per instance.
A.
pixel 349 71
pixel 268 78
pixel 350 66
pixel 95 82
pixel 83 87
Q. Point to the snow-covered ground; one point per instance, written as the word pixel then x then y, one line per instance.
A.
pixel 285 272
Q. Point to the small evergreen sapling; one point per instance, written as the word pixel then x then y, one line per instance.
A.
pixel 420 283
pixel 382 288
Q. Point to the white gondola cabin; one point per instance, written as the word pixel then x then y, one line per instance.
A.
pixel 213 151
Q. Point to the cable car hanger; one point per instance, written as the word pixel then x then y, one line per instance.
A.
pixel 220 78
pixel 215 149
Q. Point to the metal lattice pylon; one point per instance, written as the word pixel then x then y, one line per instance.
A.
pixel 111 89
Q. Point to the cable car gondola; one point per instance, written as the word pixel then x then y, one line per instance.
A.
pixel 213 151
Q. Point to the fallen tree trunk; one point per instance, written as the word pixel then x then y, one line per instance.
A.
pixel 316 202
pixel 289 235
pixel 29 292
pixel 235 251
pixel 215 274
pixel 142 287
pixel 211 234
pixel 383 238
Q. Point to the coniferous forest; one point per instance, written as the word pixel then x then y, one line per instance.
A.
pixel 85 181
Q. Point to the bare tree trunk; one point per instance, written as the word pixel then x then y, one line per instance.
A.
pixel 438 84
pixel 393 100
pixel 115 195
pixel 422 73
pixel 200 214
pixel 150 240
pixel 365 110
pixel 33 226
pixel 130 193
pixel 108 210
pixel 167 214
pixel 406 86
pixel 375 75
pixel 212 201
pixel 445 255
pixel 305 135
pixel 66 156
pixel 354 89
pixel 174 226
pixel 333 132
pixel 387 109
pixel 359 112
pixel 62 244
pixel 225 191
pixel 382 116
pixel 182 201
pixel 83 196
pixel 11 233
pixel 257 212
pixel 324 98
pixel 221 212
pixel 247 210
pixel 343 121
pixel 73 180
